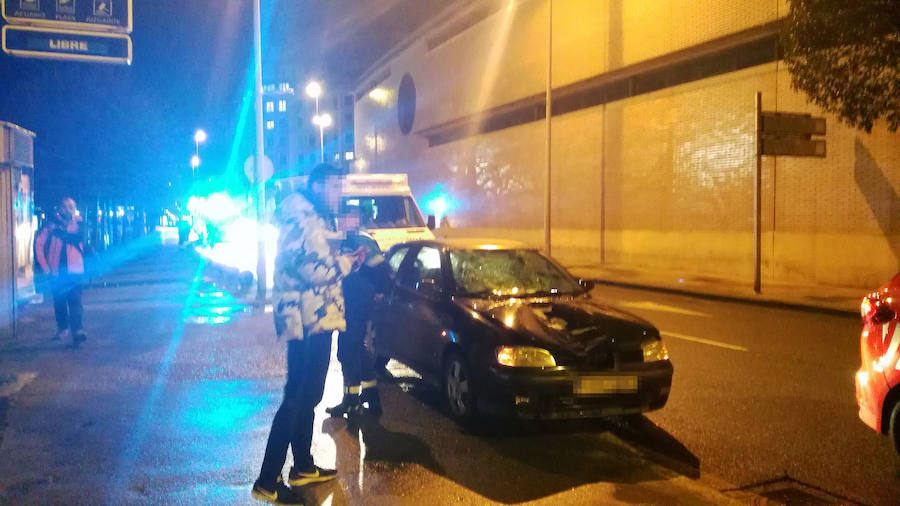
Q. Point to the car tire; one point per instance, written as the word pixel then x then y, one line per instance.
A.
pixel 894 428
pixel 458 390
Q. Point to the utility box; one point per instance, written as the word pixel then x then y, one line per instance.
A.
pixel 17 223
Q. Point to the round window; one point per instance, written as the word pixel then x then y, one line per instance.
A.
pixel 406 104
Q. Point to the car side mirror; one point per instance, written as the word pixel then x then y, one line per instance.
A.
pixel 428 287
pixel 587 284
pixel 883 314
pixel 432 222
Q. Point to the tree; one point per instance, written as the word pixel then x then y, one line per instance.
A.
pixel 845 55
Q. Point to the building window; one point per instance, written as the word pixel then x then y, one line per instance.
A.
pixel 270 125
pixel 282 105
pixel 270 107
pixel 348 155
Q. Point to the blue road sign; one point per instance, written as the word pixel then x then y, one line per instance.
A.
pixel 90 15
pixel 35 42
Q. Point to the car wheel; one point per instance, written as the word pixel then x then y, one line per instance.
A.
pixel 895 427
pixel 458 389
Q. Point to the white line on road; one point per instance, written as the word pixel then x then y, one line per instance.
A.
pixel 704 341
pixel 653 306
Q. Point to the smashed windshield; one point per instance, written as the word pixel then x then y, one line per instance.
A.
pixel 508 272
pixel 389 211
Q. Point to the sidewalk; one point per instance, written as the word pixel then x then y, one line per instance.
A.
pixel 831 299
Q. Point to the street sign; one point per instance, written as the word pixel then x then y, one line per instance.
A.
pixel 34 42
pixel 792 146
pixel 790 123
pixel 90 15
pixel 250 168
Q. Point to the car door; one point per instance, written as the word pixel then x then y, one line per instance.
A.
pixel 386 316
pixel 418 297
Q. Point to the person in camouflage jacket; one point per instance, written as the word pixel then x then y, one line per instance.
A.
pixel 309 308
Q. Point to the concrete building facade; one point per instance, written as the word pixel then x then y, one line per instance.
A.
pixel 653 139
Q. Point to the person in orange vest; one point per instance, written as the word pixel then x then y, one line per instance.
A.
pixel 59 248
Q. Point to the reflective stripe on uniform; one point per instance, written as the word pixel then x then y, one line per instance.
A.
pixel 369 384
pixel 352 390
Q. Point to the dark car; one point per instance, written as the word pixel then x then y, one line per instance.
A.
pixel 505 330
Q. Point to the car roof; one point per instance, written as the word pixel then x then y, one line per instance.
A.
pixel 470 243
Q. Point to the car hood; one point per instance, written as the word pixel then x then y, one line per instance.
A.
pixel 577 324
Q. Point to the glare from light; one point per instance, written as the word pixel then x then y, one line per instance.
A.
pixel 199 136
pixel 509 321
pixel 379 95
pixel 322 120
pixel 195 161
pixel 313 89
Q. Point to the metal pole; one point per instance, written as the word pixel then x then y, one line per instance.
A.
pixel 261 287
pixel 549 114
pixel 757 208
pixel 321 134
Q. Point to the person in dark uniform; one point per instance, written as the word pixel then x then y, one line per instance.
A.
pixel 361 289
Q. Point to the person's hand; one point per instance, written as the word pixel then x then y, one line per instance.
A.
pixel 359 256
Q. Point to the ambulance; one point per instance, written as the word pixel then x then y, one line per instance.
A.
pixel 878 379
pixel 383 203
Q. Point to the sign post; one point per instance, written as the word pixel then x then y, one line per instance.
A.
pixel 779 134
pixel 80 30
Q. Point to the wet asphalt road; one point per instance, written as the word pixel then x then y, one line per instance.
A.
pixel 170 400
pixel 762 392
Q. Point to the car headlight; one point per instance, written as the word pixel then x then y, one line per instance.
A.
pixel 654 351
pixel 524 356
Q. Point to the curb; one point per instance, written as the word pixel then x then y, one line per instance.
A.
pixel 774 303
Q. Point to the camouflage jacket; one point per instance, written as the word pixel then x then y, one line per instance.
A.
pixel 308 272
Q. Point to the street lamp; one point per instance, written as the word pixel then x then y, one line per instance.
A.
pixel 199 138
pixel 314 91
pixel 322 121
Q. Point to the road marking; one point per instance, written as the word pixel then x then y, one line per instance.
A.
pixel 704 341
pixel 653 306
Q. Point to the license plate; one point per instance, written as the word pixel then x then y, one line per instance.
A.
pixel 597 385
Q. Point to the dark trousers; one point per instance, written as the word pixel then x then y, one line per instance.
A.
pixel 307 365
pixel 356 361
pixel 67 303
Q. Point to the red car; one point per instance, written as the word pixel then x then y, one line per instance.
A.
pixel 878 379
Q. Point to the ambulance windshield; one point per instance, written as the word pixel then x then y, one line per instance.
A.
pixel 387 211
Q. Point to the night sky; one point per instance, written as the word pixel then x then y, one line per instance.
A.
pixel 123 132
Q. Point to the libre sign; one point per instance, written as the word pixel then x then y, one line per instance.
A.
pixel 83 30
pixel 35 42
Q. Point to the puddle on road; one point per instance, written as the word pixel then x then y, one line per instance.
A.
pixel 212 306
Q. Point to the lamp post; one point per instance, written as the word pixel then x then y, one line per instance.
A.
pixel 199 138
pixel 195 164
pixel 261 279
pixel 314 91
pixel 322 121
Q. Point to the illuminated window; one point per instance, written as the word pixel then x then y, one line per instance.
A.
pixel 348 155
pixel 270 125
pixel 282 105
pixel 270 107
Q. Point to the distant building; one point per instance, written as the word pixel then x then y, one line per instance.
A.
pixel 291 138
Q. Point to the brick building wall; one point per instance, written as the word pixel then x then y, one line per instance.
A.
pixel 656 173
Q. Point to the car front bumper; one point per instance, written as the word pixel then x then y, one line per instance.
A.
pixel 536 394
pixel 871 388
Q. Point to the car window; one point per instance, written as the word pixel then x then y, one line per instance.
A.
pixel 428 264
pixel 397 258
